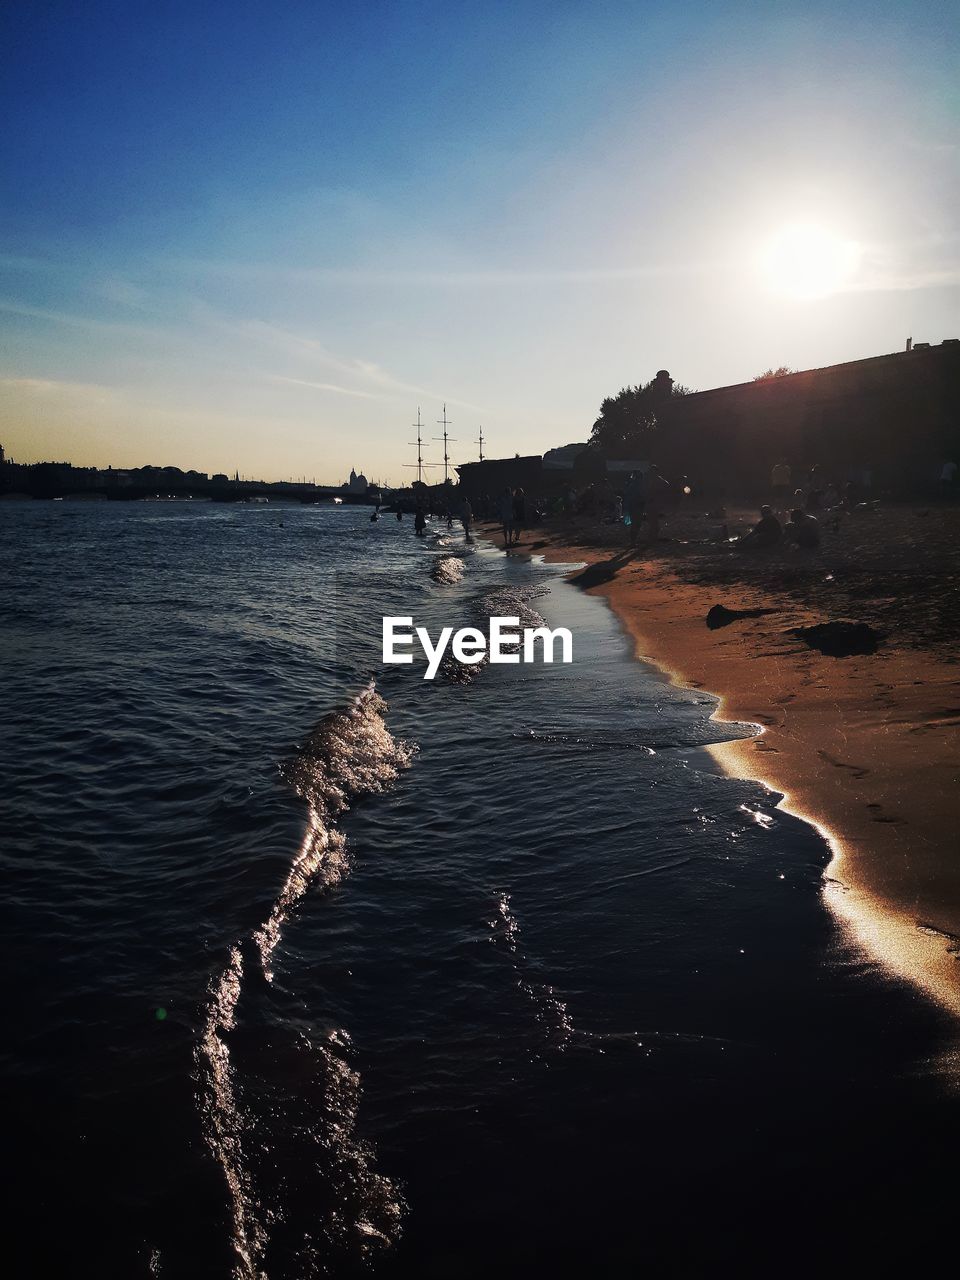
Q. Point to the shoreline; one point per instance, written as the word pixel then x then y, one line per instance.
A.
pixel 858 747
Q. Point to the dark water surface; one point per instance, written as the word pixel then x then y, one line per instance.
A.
pixel 489 976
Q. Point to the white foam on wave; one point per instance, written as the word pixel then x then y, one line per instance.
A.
pixel 550 1012
pixel 371 1214
pixel 502 602
pixel 447 570
pixel 512 602
pixel 223 1121
pixel 350 754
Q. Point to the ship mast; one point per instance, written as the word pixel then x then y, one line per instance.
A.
pixel 419 464
pixel 480 443
pixel 446 458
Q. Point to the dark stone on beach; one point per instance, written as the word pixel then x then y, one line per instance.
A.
pixel 721 616
pixel 602 571
pixel 839 639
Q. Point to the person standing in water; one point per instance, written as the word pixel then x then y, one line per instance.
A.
pixel 419 522
pixel 519 513
pixel 466 518
pixel 505 511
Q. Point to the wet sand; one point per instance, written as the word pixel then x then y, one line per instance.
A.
pixel 865 747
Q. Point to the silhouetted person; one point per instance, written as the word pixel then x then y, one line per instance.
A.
pixel 399 515
pixel 767 532
pixel 466 518
pixel 780 480
pixel 814 500
pixel 519 512
pixel 419 522
pixel 635 500
pixel 656 486
pixel 505 511
pixel 803 530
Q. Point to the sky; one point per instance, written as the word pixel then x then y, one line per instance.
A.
pixel 258 236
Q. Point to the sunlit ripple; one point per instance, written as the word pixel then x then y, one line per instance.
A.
pixel 351 753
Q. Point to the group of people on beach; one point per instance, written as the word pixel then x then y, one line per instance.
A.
pixel 640 503
pixel 800 527
pixel 801 530
pixel 815 492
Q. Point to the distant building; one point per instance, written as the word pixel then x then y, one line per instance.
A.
pixel 898 415
pixel 356 483
pixel 488 479
pixel 563 457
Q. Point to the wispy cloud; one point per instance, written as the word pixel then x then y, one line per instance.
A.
pixel 72 320
pixel 364 371
pixel 54 386
pixel 454 277
pixel 325 386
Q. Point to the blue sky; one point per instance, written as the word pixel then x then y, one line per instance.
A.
pixel 257 235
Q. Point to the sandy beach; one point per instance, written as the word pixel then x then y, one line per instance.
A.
pixel 864 746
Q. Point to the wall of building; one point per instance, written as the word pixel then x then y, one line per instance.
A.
pixel 898 414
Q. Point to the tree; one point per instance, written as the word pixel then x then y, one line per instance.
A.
pixel 629 420
pixel 769 374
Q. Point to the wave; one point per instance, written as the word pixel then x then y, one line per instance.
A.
pixel 223 1120
pixel 501 602
pixel 592 741
pixel 511 602
pixel 447 570
pixel 549 1011
pixel 350 754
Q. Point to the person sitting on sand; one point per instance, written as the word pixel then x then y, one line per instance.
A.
pixel 765 533
pixel 505 506
pixel 803 530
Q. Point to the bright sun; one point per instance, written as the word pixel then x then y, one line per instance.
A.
pixel 806 261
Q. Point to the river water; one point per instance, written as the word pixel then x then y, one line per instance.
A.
pixel 318 968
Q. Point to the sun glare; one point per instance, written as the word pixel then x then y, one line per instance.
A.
pixel 805 261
